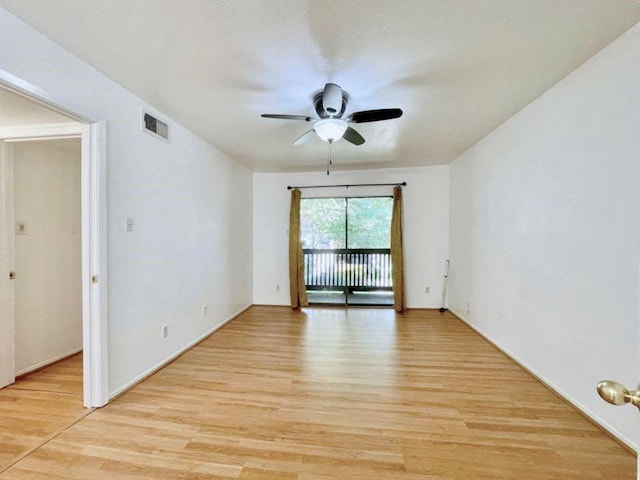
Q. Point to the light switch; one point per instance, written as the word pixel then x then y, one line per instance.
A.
pixel 21 228
pixel 129 224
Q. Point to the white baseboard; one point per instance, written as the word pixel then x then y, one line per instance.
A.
pixel 173 356
pixel 49 361
pixel 629 443
pixel 272 305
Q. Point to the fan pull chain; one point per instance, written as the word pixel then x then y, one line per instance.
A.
pixel 329 159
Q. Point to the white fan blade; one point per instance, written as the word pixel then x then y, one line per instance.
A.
pixel 304 137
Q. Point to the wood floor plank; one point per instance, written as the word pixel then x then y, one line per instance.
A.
pixel 333 394
pixel 64 376
pixel 38 406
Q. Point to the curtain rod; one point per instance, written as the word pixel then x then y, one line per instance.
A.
pixel 403 184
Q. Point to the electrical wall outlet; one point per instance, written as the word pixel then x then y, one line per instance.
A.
pixel 165 330
pixel 277 288
pixel 205 309
pixel 427 289
pixel 129 224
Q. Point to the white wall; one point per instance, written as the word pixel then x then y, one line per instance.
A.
pixel 426 231
pixel 48 299
pixel 545 233
pixel 192 208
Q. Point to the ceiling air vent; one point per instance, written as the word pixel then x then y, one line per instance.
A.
pixel 155 127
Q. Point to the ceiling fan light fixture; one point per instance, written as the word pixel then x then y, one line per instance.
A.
pixel 330 129
pixel 330 104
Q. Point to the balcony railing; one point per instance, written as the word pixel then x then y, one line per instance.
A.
pixel 347 269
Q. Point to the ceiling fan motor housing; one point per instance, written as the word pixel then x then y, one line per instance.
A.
pixel 330 102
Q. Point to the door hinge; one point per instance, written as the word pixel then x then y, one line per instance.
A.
pixel 12 275
pixel 94 279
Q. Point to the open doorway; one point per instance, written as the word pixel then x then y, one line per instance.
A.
pixel 52 244
pixel 48 252
pixel 42 180
pixel 346 247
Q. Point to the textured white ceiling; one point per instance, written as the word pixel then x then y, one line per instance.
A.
pixel 17 111
pixel 457 68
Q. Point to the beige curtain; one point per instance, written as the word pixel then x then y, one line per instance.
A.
pixel 296 260
pixel 397 261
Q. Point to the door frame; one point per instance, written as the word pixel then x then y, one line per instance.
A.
pixel 94 229
pixel 347 289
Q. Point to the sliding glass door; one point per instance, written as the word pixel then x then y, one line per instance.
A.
pixel 346 250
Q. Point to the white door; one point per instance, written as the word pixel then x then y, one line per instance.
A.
pixel 7 267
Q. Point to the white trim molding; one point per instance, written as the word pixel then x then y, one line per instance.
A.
pixel 43 97
pixel 28 133
pixel 94 265
pixel 94 223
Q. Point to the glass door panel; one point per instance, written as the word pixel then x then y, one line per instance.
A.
pixel 346 250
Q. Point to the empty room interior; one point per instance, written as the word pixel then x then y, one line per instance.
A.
pixel 319 240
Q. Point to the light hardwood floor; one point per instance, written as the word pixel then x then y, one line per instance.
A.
pixel 38 406
pixel 330 394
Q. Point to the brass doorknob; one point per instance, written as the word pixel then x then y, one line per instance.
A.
pixel 617 394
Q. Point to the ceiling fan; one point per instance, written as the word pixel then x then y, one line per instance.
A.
pixel 330 105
